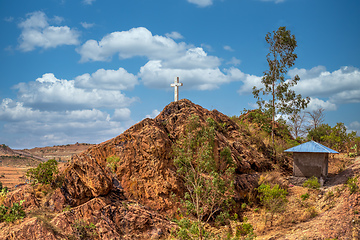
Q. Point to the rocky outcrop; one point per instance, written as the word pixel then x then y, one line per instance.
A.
pixel 124 186
pixel 98 218
pixel 145 169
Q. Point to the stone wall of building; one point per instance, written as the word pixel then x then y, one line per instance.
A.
pixel 310 164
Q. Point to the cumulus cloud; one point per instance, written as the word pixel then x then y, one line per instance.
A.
pixel 121 114
pixel 155 75
pixel 36 32
pixel 50 92
pixel 316 104
pixel 194 58
pixel 201 3
pixel 167 59
pixel 135 42
pixel 174 35
pixel 51 111
pixel 340 86
pixel 47 127
pixel 234 61
pixel 249 81
pixel 107 79
pixel 326 89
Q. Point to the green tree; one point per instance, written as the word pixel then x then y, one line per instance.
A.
pixel 338 138
pixel 209 184
pixel 317 134
pixel 281 56
pixel 44 172
pixel 273 198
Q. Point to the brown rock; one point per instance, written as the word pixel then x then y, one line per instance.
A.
pixel 145 169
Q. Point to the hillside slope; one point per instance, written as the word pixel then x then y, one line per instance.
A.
pixel 122 188
pixel 145 170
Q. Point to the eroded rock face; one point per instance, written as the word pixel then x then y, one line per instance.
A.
pixel 128 199
pixel 109 220
pixel 145 169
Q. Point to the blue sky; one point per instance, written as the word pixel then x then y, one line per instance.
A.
pixel 85 71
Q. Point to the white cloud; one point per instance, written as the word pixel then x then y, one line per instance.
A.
pixel 50 92
pixel 88 2
pixel 174 35
pixel 9 19
pixel 15 111
pixel 228 48
pixel 153 114
pixel 201 3
pixel 316 104
pixel 249 81
pixel 354 126
pixel 166 60
pixel 135 42
pixel 36 32
pixel 326 89
pixel 44 128
pixel 121 114
pixel 107 79
pixel 87 25
pixel 194 58
pixel 234 61
pixel 275 1
pixel 155 75
pixel 340 86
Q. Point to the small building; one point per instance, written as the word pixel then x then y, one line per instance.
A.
pixel 311 159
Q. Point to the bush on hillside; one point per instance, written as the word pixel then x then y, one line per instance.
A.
pixel 44 172
pixel 312 183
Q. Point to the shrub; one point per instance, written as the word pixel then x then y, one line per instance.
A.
pixel 11 214
pixel 3 192
pixel 305 196
pixel 112 162
pixel 351 183
pixel 274 199
pixel 84 230
pixel 312 183
pixel 245 229
pixel 44 172
pixel 312 211
pixel 209 184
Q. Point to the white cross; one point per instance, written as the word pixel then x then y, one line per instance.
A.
pixel 176 86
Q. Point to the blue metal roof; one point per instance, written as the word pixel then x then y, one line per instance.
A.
pixel 312 147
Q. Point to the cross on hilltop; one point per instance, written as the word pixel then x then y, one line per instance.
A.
pixel 176 86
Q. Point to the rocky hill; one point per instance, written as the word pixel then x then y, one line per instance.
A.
pixel 145 171
pixel 122 188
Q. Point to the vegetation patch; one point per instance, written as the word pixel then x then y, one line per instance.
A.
pixel 112 162
pixel 209 184
pixel 84 230
pixel 44 172
pixel 273 199
pixel 312 183
pixel 13 213
pixel 352 184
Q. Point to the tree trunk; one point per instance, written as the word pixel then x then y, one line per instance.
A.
pixel 273 118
